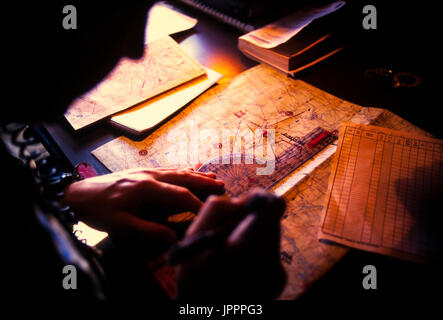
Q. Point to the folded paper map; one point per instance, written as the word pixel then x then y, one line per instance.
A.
pixel 164 66
pixel 152 112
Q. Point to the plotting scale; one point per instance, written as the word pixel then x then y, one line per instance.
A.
pixel 239 171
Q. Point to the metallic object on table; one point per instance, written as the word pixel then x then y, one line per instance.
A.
pixel 397 79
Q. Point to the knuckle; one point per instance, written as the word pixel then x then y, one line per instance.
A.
pixel 146 183
pixel 125 182
pixel 216 201
pixel 185 173
pixel 183 192
pixel 148 172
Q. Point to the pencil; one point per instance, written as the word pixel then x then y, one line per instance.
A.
pixel 194 245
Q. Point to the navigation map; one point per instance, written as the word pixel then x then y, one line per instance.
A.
pixel 164 66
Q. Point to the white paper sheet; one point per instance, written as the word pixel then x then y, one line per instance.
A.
pixel 284 29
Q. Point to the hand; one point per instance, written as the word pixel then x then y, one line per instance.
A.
pixel 112 203
pixel 247 265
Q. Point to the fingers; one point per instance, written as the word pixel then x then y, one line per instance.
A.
pixel 263 224
pixel 260 226
pixel 176 198
pixel 218 212
pixel 209 174
pixel 251 250
pixel 261 229
pixel 157 170
pixel 195 181
pixel 222 211
pixel 199 182
pixel 206 174
pixel 256 240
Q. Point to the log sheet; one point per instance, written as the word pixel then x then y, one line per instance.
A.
pixel 385 193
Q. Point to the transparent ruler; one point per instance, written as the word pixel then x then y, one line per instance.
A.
pixel 239 171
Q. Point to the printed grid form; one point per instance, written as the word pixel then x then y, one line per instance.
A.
pixel 381 188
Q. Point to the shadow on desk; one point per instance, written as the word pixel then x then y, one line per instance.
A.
pixel 396 280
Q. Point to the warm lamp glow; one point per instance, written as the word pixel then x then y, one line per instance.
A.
pixel 88 234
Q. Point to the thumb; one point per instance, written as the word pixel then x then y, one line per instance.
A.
pixel 260 229
pixel 256 241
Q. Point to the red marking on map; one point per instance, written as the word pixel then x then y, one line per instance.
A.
pixel 197 166
pixel 85 170
pixel 143 152
pixel 240 114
